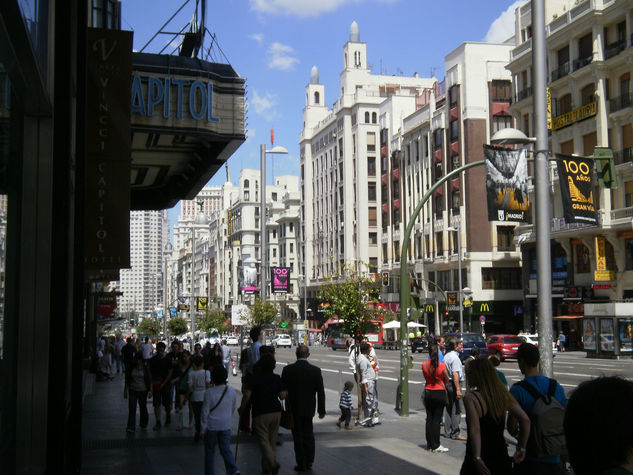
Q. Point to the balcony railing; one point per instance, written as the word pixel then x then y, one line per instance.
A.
pixel 621 102
pixel 582 62
pixel 561 71
pixel 623 156
pixel 621 213
pixel 523 94
pixel 614 49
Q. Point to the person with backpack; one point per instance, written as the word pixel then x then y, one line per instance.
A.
pixel 544 401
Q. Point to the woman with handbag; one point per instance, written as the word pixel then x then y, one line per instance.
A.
pixel 264 391
pixel 435 398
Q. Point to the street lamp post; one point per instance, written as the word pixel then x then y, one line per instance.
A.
pixel 263 240
pixel 167 251
pixel 199 221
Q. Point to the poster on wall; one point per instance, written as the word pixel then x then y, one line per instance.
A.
pixel 575 176
pixel 506 184
pixel 589 333
pixel 626 335
pixel 606 334
pixel 281 279
pixel 247 279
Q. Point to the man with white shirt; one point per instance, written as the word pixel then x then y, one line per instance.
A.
pixel 453 414
pixel 367 376
pixel 147 349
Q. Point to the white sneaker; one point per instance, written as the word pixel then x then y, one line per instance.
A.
pixel 440 449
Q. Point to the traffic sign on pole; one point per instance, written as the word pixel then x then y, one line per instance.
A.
pixel 482 318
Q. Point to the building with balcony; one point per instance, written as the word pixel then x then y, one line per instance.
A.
pixel 590 58
pixel 453 120
pixel 342 150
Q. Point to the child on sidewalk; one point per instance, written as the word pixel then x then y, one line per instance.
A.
pixel 346 405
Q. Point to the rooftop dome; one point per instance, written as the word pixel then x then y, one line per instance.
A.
pixel 314 75
pixel 354 33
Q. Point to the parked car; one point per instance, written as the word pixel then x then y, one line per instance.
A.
pixel 533 339
pixel 504 346
pixel 232 340
pixel 419 344
pixel 282 340
pixel 470 339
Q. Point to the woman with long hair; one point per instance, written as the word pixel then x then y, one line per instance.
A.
pixel 182 400
pixel 436 376
pixel 215 357
pixel 487 402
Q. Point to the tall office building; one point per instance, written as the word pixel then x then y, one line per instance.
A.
pixel 142 283
pixel 340 153
pixel 211 199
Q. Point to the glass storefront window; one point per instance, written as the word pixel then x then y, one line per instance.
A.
pixel 35 15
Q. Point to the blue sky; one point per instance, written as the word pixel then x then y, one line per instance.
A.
pixel 275 43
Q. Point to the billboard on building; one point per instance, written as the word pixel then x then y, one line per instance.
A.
pixel 575 176
pixel 247 279
pixel 506 184
pixel 280 277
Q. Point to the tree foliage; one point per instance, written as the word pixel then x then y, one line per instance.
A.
pixel 214 320
pixel 177 326
pixel 351 297
pixel 263 313
pixel 149 327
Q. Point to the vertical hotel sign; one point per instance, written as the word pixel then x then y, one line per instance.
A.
pixel 601 272
pixel 108 151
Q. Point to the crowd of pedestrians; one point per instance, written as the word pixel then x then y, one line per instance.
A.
pixel 548 430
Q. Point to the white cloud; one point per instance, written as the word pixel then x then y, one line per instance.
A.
pixel 264 104
pixel 300 8
pixel 503 27
pixel 259 37
pixel 280 57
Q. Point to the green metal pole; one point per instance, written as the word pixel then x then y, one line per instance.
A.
pixel 405 291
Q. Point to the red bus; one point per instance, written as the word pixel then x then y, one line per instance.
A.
pixel 337 339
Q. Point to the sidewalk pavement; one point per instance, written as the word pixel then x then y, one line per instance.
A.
pixel 395 446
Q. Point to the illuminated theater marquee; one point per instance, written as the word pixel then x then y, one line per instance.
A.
pixel 172 97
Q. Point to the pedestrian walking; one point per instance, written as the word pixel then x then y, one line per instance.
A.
pixel 137 385
pixel 263 391
pixel 435 398
pixel 346 405
pixel 304 385
pixel 161 369
pixel 452 417
pixel 487 402
pixel 198 381
pixel 562 339
pixel 147 349
pixel 368 383
pixel 181 388
pixel 118 358
pixel 227 356
pixel 127 354
pixel 217 419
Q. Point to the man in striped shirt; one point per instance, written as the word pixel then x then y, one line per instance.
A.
pixel 346 405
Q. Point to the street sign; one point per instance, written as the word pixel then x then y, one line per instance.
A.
pixel 482 318
pixel 239 314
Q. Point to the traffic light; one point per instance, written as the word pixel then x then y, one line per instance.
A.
pixel 385 279
pixel 284 324
pixel 446 313
pixel 605 167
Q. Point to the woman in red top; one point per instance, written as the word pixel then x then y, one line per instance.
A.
pixel 436 376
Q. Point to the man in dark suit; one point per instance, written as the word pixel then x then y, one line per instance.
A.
pixel 304 384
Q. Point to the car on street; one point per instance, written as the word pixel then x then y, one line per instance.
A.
pixel 282 340
pixel 470 339
pixel 504 346
pixel 232 340
pixel 533 339
pixel 419 344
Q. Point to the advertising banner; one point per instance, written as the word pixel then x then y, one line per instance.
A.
pixel 247 279
pixel 173 312
pixel 280 277
pixel 108 150
pixel 589 333
pixel 506 184
pixel 575 176
pixel 602 273
pixel 202 303
pixel 239 314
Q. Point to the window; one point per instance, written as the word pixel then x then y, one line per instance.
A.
pixel 292 246
pixel 501 278
pixel 246 184
pixel 453 95
pixel 371 167
pixel 455 201
pixel 371 141
pixel 384 253
pixel 373 239
pixel 396 251
pixel 505 238
pixel 587 94
pixel 564 104
pixel 374 117
pixel 501 122
pixel 583 260
pixel 437 139
pixel 373 219
pixel 274 252
pixel 316 97
pixel 500 91
pixel 103 14
pixel 292 227
pixel 246 195
pixel 371 192
pixel 454 130
pixel 373 265
pixel 439 245
pixel 628 194
pixel 367 117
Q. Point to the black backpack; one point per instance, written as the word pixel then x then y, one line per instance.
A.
pixel 547 436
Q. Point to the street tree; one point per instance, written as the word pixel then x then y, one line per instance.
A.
pixel 214 320
pixel 149 327
pixel 263 313
pixel 177 326
pixel 352 298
